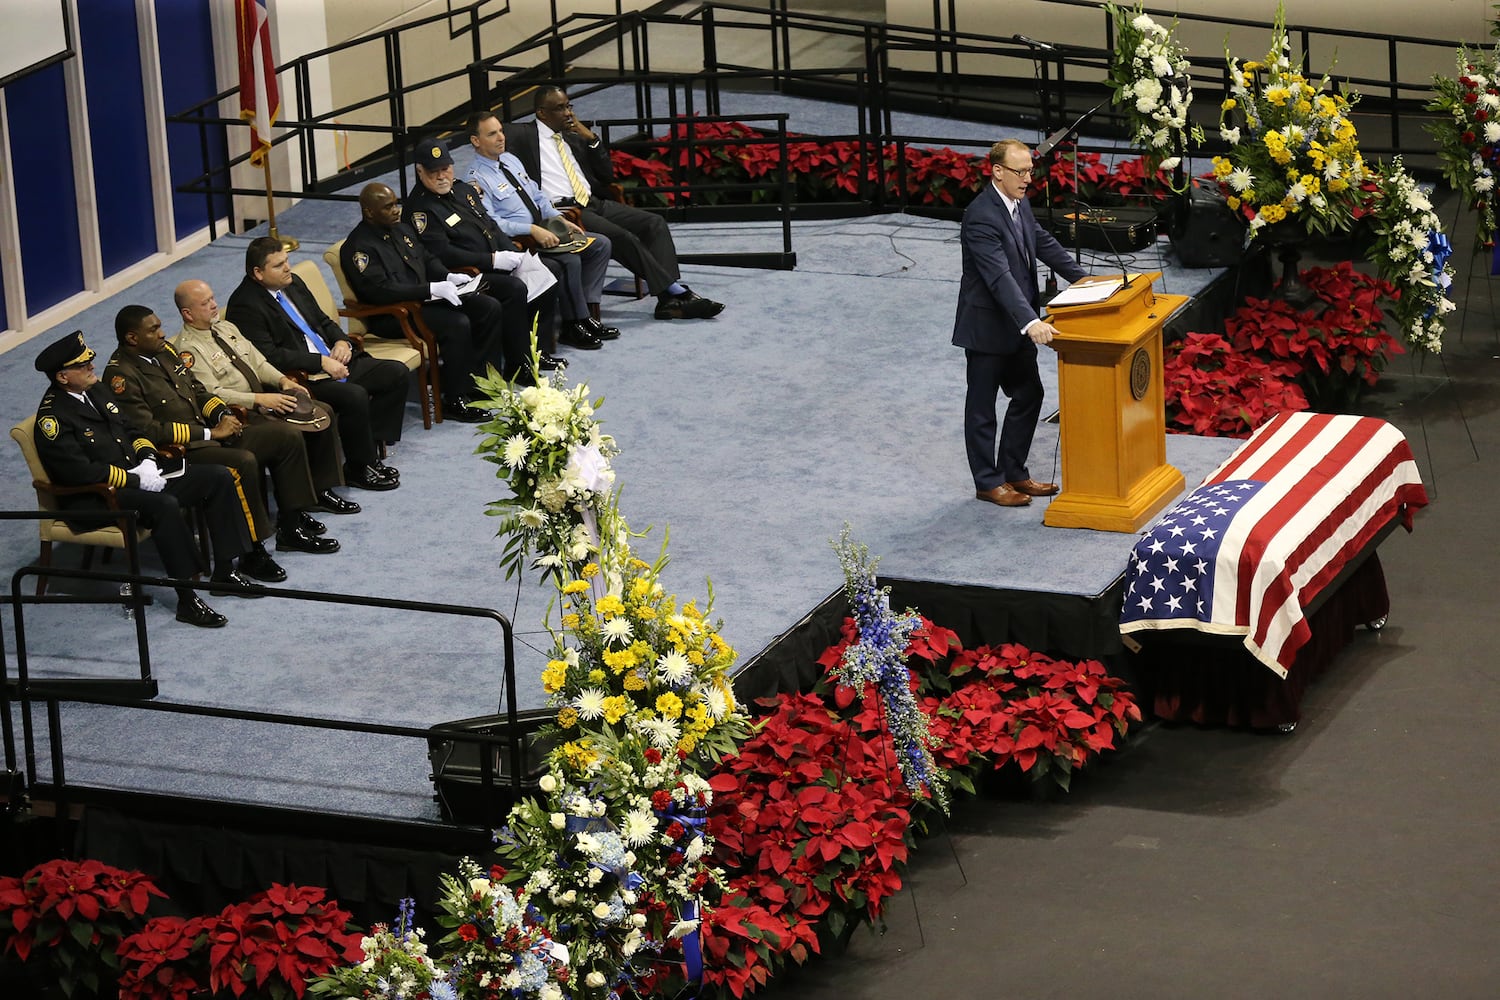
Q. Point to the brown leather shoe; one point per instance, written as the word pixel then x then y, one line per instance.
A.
pixel 1032 488
pixel 1004 496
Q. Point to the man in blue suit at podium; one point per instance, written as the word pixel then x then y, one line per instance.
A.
pixel 999 326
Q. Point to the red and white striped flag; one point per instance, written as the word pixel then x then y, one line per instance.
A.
pixel 260 103
pixel 1269 529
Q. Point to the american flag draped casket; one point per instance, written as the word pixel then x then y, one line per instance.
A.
pixel 1245 552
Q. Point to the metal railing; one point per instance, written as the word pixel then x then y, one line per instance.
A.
pixel 25 691
pixel 1065 79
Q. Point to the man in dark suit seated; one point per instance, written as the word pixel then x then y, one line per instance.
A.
pixel 572 166
pixel 277 313
pixel 83 440
pixel 157 395
pixel 385 263
pixel 999 325
pixel 448 214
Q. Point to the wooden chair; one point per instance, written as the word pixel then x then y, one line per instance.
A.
pixel 419 338
pixel 108 536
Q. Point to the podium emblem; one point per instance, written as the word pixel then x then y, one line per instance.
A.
pixel 1140 374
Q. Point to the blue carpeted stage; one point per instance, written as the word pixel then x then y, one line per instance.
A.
pixel 825 395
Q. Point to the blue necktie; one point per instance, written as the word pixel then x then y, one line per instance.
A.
pixel 306 328
pixel 302 324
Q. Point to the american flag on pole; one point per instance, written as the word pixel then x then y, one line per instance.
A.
pixel 260 103
pixel 1269 529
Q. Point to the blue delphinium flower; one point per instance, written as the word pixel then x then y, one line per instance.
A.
pixel 878 657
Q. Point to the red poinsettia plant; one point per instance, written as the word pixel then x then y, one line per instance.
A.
pixel 273 942
pixel 819 170
pixel 1213 390
pixel 1047 716
pixel 1340 347
pixel 812 821
pixel 166 960
pixel 72 915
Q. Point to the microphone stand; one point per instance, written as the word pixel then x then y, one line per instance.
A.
pixel 1050 143
pixel 1044 120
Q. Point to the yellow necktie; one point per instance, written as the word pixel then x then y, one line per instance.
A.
pixel 580 190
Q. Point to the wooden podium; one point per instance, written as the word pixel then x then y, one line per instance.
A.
pixel 1115 475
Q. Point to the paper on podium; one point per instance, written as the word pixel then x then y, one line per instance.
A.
pixel 1087 291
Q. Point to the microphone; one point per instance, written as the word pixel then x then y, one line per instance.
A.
pixel 1033 43
pixel 1050 143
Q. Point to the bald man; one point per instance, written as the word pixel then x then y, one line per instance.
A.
pixel 385 262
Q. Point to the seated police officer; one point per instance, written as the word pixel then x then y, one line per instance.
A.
pixel 449 216
pixel 82 439
pixel 385 263
pixel 157 393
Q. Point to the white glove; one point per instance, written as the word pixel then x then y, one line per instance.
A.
pixel 445 290
pixel 507 260
pixel 152 481
pixel 149 463
pixel 459 279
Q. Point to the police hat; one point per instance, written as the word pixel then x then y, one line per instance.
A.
pixel 432 154
pixel 64 353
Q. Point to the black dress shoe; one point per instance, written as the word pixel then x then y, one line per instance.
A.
pixel 232 584
pixel 688 305
pixel 330 502
pixel 603 332
pixel 367 477
pixel 298 540
pixel 577 333
pixel 311 525
pixel 192 611
pixel 551 362
pixel 258 565
pixel 387 472
pixel 460 410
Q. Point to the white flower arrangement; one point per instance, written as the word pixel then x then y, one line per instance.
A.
pixel 1152 81
pixel 1412 252
pixel 546 445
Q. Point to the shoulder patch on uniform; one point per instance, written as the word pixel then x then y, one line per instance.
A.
pixel 187 359
pixel 419 221
pixel 118 385
pixel 361 261
pixel 49 427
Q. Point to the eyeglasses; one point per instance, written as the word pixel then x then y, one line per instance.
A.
pixel 560 107
pixel 1023 172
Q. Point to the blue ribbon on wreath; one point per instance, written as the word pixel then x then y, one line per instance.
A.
pixel 1441 249
pixel 693 821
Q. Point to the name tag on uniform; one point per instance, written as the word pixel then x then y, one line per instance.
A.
pixel 452 220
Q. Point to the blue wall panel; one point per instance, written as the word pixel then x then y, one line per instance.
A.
pixel 185 31
pixel 46 199
pixel 117 129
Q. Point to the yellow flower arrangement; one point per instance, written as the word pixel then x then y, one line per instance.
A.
pixel 1294 151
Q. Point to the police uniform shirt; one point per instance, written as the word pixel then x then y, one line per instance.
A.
pixel 161 398
pixel 83 443
pixel 455 226
pixel 384 266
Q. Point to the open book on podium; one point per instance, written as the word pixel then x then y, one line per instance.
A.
pixel 1115 475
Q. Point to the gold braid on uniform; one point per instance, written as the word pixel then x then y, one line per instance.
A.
pixel 118 477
